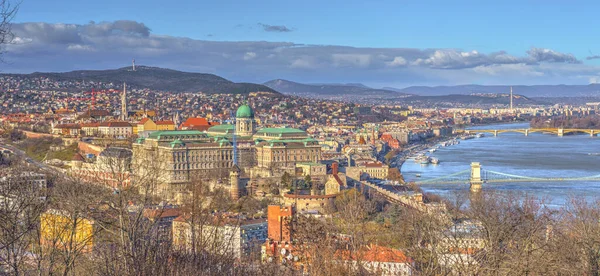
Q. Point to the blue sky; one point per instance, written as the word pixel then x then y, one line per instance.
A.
pixel 539 41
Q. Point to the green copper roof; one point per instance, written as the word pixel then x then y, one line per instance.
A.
pixel 158 134
pixel 244 111
pixel 280 130
pixel 304 141
pixel 221 128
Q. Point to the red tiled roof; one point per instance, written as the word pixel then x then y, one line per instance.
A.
pixel 374 165
pixel 143 121
pixel 77 157
pixel 162 213
pixel 115 124
pixel 90 125
pixel 195 122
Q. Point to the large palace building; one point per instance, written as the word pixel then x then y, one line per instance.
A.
pixel 175 158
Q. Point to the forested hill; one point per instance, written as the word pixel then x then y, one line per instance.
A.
pixel 154 78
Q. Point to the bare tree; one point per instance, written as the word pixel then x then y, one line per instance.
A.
pixel 21 204
pixel 8 10
pixel 577 237
pixel 68 230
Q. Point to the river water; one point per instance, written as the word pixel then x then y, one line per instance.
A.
pixel 536 155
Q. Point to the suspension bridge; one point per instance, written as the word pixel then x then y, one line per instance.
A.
pixel 476 177
pixel 527 131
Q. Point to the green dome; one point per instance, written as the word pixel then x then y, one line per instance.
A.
pixel 244 111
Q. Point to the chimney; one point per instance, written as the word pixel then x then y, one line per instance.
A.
pixel 334 168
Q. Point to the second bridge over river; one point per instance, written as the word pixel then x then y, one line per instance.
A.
pixel 477 176
pixel 527 131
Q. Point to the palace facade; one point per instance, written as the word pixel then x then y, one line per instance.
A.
pixel 176 158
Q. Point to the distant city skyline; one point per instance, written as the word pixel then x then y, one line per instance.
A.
pixel 390 43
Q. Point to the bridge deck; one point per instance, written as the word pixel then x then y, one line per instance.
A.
pixel 533 130
pixel 511 180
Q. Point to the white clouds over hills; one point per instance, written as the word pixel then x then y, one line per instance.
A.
pixel 64 47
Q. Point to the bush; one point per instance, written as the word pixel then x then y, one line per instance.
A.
pixel 16 135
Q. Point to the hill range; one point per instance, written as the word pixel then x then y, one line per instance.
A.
pixel 329 90
pixel 162 79
pixel 155 78
pixel 561 90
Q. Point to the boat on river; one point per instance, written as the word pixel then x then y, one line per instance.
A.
pixel 423 160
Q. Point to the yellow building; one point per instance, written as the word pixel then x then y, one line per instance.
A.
pixel 147 124
pixel 165 125
pixel 143 125
pixel 60 230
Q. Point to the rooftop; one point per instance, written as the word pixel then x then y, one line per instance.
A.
pixel 280 130
pixel 221 128
pixel 159 134
pixel 195 122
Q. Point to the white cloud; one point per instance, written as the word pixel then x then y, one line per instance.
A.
pixel 38 46
pixel 548 55
pixel 249 55
pixel 398 61
pixel 20 40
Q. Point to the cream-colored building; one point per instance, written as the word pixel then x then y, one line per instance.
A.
pixel 238 237
pixel 335 183
pixel 185 155
pixel 285 147
pixel 89 129
pixel 178 157
pixel 374 170
pixel 312 169
pixel 115 129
